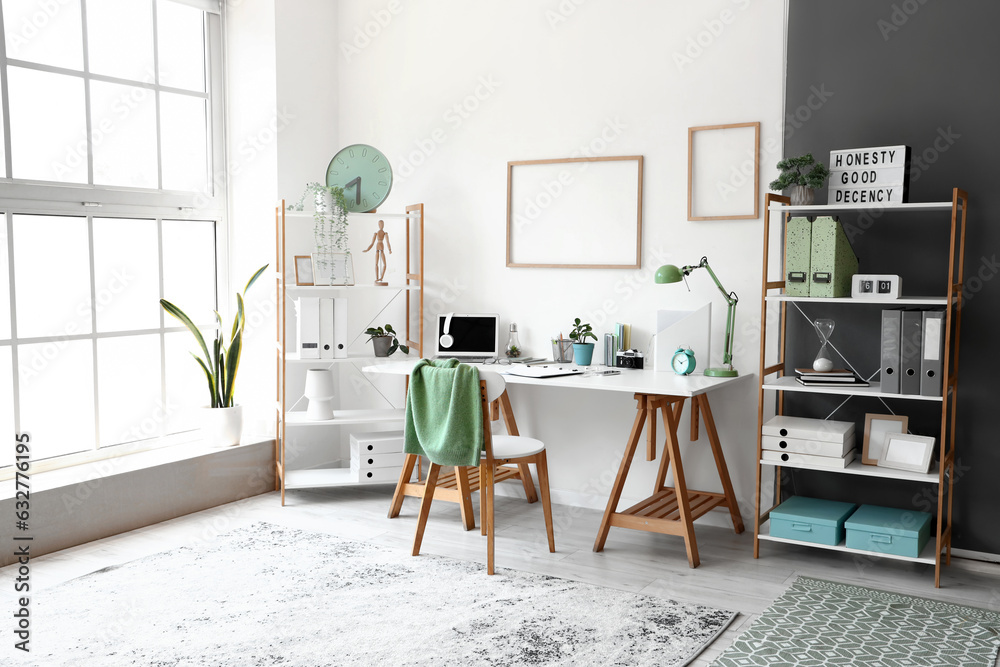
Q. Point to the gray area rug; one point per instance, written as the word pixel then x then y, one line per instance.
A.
pixel 269 595
pixel 824 623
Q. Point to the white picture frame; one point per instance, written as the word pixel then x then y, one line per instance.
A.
pixel 303 270
pixel 877 427
pixel 903 451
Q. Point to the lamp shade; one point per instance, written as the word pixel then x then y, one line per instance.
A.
pixel 668 273
pixel 320 392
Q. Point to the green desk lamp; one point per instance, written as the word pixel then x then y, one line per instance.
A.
pixel 668 273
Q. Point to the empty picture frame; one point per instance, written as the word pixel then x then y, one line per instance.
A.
pixel 575 213
pixel 907 452
pixel 303 270
pixel 877 427
pixel 724 172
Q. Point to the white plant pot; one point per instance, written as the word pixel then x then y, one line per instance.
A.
pixel 320 393
pixel 324 202
pixel 222 427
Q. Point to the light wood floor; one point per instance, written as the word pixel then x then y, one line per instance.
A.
pixel 728 577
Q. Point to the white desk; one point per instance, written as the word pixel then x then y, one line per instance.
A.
pixel 669 510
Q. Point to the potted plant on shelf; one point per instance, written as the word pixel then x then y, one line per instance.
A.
pixel 332 262
pixel 583 352
pixel 802 175
pixel 223 424
pixel 384 341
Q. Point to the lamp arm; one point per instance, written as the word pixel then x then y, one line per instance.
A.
pixel 731 301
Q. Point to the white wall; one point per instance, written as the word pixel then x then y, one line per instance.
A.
pixel 451 91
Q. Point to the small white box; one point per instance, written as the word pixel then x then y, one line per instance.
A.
pixel 370 461
pixel 834 462
pixel 383 442
pixel 374 475
pixel 377 457
pixel 811 447
pixel 822 430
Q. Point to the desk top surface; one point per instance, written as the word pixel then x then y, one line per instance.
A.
pixel 643 381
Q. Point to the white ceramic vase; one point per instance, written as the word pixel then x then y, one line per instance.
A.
pixel 222 427
pixel 320 393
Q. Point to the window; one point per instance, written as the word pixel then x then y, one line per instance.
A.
pixel 112 186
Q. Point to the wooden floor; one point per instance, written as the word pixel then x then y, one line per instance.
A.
pixel 653 564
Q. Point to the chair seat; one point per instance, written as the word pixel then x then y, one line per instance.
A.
pixel 515 446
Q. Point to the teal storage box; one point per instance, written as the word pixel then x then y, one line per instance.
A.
pixel 811 520
pixel 889 531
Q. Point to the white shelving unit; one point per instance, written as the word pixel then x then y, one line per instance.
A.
pixel 290 413
pixel 774 381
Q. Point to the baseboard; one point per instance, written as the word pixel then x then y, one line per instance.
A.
pixel 69 512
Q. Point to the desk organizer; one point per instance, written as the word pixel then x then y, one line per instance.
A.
pixel 811 520
pixel 888 531
pixel 562 350
pixel 376 457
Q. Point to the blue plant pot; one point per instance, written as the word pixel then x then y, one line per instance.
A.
pixel 583 353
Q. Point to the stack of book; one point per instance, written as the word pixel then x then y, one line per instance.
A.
pixel 836 378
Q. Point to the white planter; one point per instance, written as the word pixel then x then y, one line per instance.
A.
pixel 222 427
pixel 324 202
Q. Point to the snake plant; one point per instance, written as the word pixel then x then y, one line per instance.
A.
pixel 221 363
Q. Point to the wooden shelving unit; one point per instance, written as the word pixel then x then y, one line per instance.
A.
pixel 410 287
pixel 773 378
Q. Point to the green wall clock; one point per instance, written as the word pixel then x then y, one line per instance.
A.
pixel 364 174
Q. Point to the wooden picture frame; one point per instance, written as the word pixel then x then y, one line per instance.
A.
pixel 303 270
pixel 575 213
pixel 908 452
pixel 718 159
pixel 877 428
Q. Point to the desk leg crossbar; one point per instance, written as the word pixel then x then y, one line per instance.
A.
pixel 670 510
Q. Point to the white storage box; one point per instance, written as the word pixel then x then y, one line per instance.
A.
pixel 811 447
pixel 834 462
pixel 803 428
pixel 377 457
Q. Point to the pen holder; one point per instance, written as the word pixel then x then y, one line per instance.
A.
pixel 562 350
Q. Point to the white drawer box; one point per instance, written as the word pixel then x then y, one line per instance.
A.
pixel 813 447
pixel 374 475
pixel 384 442
pixel 370 461
pixel 802 428
pixel 833 462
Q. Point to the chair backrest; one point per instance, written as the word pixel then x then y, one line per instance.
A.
pixel 495 384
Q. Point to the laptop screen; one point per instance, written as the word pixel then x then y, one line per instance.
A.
pixel 471 335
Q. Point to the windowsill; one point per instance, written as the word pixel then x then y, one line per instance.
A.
pixel 91 470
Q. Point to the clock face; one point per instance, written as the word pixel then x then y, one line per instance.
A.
pixel 364 174
pixel 683 362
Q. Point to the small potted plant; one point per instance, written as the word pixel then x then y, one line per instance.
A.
pixel 802 175
pixel 384 341
pixel 331 259
pixel 583 352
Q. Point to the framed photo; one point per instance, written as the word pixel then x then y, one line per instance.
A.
pixel 303 270
pixel 877 427
pixel 724 172
pixel 903 451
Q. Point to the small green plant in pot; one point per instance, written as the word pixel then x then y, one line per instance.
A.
pixel 384 341
pixel 802 176
pixel 220 365
pixel 583 352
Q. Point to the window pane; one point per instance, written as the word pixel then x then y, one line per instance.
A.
pixel 126 275
pixel 6 394
pixel 44 32
pixel 123 119
pixel 120 38
pixel 47 126
pixel 187 387
pixel 51 276
pixel 181 40
pixel 4 281
pixel 189 269
pixel 57 396
pixel 183 122
pixel 128 381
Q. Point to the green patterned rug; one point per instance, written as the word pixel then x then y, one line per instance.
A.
pixel 822 623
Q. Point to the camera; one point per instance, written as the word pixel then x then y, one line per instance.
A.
pixel 628 359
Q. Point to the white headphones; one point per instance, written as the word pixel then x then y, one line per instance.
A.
pixel 446 339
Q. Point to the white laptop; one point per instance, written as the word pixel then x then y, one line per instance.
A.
pixel 469 337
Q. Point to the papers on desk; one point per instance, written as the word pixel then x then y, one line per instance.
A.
pixel 543 370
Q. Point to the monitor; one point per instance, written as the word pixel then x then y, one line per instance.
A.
pixel 467 335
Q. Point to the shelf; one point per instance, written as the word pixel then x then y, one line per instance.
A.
pixel 346 417
pixel 837 208
pixel 903 301
pixel 319 290
pixel 357 216
pixel 873 390
pixel 856 467
pixel 927 555
pixel 308 479
pixel 293 358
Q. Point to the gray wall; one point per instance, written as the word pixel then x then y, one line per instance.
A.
pixel 922 73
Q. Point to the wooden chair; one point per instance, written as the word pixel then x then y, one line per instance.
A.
pixel 497 451
pixel 456 485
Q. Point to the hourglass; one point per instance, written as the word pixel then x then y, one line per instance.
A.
pixel 822 362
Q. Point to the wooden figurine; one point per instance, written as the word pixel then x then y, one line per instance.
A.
pixel 380 263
